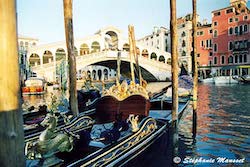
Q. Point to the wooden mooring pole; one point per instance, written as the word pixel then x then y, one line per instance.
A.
pixel 11 120
pixel 174 62
pixel 68 21
pixel 174 68
pixel 131 51
pixel 195 68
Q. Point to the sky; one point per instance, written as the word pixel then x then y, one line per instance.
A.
pixel 43 19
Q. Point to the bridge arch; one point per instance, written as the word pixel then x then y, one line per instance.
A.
pixel 60 54
pixel 84 49
pixel 111 39
pixel 125 47
pixel 153 56
pixel 95 47
pixel 47 57
pixel 34 59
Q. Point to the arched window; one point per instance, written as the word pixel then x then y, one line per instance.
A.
pixel 125 47
pixel 162 59
pixel 183 43
pixel 106 74
pixel 183 34
pixel 230 31
pixel 153 56
pixel 215 60
pixel 222 59
pixel 230 45
pixel 245 58
pixel 236 59
pixel 245 28
pixel 230 59
pixel 144 53
pixel 240 58
pixel 84 49
pixel 215 33
pixel 215 47
pixel 236 29
pixel 183 53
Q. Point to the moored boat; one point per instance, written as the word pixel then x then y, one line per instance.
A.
pixel 225 80
pixel 245 79
pixel 34 85
pixel 207 80
pixel 126 124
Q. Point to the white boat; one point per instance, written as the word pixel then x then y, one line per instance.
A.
pixel 225 80
pixel 207 80
pixel 34 85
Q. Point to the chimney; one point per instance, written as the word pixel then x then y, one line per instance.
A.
pixel 204 21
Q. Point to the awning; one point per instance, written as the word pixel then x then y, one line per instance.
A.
pixel 230 67
pixel 247 66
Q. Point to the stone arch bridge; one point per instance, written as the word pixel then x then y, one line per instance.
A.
pixel 157 70
pixel 101 48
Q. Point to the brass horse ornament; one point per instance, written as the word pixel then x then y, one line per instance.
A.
pixel 50 142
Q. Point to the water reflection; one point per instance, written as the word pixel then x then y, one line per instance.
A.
pixel 223 125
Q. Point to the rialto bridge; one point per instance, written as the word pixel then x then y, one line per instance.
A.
pixel 102 48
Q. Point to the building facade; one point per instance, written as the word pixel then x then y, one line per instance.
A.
pixel 24 44
pixel 159 39
pixel 204 48
pixel 184 48
pixel 231 39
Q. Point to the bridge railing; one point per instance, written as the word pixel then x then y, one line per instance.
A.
pixel 98 55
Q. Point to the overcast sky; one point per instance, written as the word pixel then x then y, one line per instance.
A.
pixel 43 19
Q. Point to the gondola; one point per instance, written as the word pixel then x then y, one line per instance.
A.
pixel 33 117
pixel 126 123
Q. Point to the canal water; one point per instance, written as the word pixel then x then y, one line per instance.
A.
pixel 223 130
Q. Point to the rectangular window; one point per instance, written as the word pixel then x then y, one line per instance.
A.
pixel 229 10
pixel 201 32
pixel 198 55
pixel 230 45
pixel 202 43
pixel 207 43
pixel 222 60
pixel 210 53
pixel 245 17
pixel 217 14
pixel 215 23
pixel 210 31
pixel 236 19
pixel 230 20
